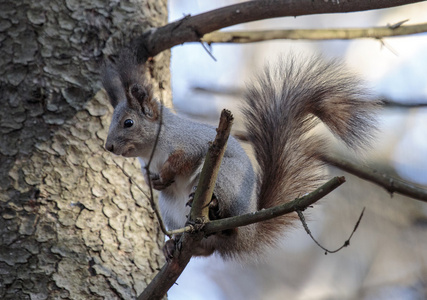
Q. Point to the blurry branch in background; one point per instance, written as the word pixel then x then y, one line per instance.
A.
pixel 312 34
pixel 236 92
pixel 403 104
pixel 193 28
pixel 392 185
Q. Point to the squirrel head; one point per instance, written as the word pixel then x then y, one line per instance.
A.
pixel 135 120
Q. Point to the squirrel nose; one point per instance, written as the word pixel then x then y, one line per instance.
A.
pixel 109 147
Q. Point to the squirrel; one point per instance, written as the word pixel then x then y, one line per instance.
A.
pixel 285 102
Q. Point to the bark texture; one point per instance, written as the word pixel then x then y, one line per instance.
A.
pixel 72 225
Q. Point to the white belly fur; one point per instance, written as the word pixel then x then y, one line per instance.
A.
pixel 173 200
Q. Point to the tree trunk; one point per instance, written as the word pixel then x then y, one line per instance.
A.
pixel 72 224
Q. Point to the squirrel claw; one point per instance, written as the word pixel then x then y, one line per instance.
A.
pixel 169 249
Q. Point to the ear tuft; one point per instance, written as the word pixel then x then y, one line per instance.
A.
pixel 138 93
pixel 123 79
pixel 112 84
pixel 129 70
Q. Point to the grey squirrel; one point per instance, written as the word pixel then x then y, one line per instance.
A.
pixel 285 102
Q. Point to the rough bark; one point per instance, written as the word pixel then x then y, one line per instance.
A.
pixel 72 225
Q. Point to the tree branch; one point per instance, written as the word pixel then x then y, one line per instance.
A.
pixel 171 270
pixel 273 212
pixel 236 92
pixel 391 185
pixel 204 191
pixel 193 28
pixel 311 34
pixel 298 204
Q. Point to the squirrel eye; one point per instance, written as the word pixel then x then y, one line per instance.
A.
pixel 128 123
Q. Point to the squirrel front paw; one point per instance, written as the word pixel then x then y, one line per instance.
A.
pixel 169 248
pixel 158 183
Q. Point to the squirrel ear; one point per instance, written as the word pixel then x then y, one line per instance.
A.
pixel 112 84
pixel 144 97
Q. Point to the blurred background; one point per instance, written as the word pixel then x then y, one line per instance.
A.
pixel 387 257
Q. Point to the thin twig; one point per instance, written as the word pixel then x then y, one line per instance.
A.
pixel 150 198
pixel 132 180
pixel 388 47
pixel 187 228
pixel 392 185
pixel 313 34
pixel 208 51
pixel 397 25
pixel 153 203
pixel 346 243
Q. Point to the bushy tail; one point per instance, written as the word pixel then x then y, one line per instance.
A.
pixel 281 108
